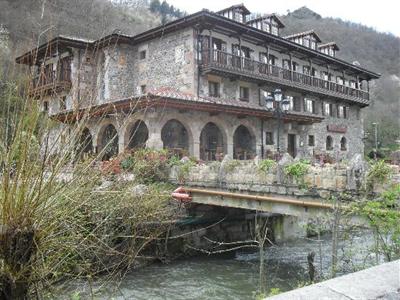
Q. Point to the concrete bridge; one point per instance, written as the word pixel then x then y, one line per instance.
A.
pixel 282 204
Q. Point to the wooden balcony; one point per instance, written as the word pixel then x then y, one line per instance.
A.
pixel 47 83
pixel 226 64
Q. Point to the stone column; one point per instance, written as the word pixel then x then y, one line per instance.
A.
pixel 154 141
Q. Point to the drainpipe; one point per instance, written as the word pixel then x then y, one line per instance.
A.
pixel 79 76
pixel 262 138
pixel 198 60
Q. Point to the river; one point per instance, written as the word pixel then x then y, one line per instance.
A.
pixel 236 276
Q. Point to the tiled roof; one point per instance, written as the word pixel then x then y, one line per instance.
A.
pixel 328 44
pixel 167 92
pixel 289 37
pixel 265 17
pixel 170 93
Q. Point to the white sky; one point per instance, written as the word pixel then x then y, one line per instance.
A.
pixel 383 15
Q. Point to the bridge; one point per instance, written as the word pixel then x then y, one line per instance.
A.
pixel 285 205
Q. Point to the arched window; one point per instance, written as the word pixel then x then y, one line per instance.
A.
pixel 109 142
pixel 175 137
pixel 329 143
pixel 244 144
pixel 138 135
pixel 343 144
pixel 212 144
pixel 85 142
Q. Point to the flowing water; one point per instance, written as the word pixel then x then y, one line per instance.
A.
pixel 236 276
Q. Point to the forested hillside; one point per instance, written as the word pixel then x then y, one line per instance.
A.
pixel 29 20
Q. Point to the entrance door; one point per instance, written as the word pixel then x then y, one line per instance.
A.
pixel 292 145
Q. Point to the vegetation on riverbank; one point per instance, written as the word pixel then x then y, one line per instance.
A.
pixel 61 219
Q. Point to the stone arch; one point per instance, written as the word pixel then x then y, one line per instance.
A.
pixel 175 136
pixel 212 142
pixel 343 144
pixel 244 143
pixel 85 142
pixel 136 135
pixel 108 141
pixel 329 143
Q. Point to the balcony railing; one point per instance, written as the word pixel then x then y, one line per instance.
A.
pixel 245 66
pixel 50 81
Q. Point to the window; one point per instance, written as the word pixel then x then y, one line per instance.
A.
pixel 339 80
pixel 342 112
pixel 263 95
pixel 286 64
pixel 275 29
pixel 306 70
pixel 297 104
pixel 213 89
pixel 329 143
pixel 142 54
pixel 343 144
pixel 327 109
pixel 45 106
pixel 244 93
pixel 143 89
pixel 272 60
pixel 291 102
pixel 295 66
pixel 269 138
pixel 313 44
pixel 309 106
pixel 311 141
pixel 63 103
pixel 306 41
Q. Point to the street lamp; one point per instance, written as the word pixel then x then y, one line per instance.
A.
pixel 281 108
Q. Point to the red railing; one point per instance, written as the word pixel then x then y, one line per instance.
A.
pixel 227 61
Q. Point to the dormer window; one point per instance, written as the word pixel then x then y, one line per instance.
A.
pixel 329 49
pixel 237 13
pixel 267 23
pixel 308 39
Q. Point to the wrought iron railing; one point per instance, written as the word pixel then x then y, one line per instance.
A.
pixel 230 62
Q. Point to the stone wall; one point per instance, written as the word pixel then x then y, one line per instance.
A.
pixel 320 181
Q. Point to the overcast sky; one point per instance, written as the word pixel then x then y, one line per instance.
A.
pixel 383 15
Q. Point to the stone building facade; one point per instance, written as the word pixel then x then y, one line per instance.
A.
pixel 198 85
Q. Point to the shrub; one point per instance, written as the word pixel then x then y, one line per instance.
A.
pixel 378 173
pixel 297 171
pixel 266 165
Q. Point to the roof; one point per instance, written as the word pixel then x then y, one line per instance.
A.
pixel 292 36
pixel 169 97
pixel 335 46
pixel 204 18
pixel 266 16
pixel 239 6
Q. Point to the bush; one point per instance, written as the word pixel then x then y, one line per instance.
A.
pixel 148 165
pixel 378 173
pixel 266 165
pixel 297 171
